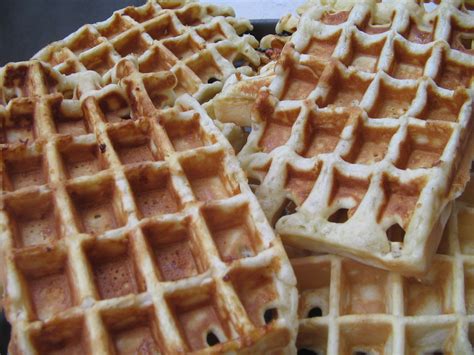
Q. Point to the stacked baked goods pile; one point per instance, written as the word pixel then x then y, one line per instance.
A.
pixel 128 225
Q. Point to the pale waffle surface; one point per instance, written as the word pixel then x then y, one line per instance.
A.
pixel 363 131
pixel 129 228
pixel 201 44
pixel 349 308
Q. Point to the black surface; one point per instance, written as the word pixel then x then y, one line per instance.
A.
pixel 26 26
pixel 4 334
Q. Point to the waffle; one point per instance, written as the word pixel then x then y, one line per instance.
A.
pixel 349 308
pixel 239 94
pixel 201 44
pixel 356 146
pixel 128 227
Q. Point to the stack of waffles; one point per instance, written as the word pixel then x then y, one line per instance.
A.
pixel 129 226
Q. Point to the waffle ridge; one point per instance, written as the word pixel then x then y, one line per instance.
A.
pixel 357 144
pixel 350 307
pixel 128 226
pixel 202 44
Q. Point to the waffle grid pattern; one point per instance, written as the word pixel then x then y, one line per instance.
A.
pixel 350 307
pixel 359 128
pixel 201 44
pixel 131 227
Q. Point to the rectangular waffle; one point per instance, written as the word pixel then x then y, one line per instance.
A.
pixel 349 308
pixel 126 227
pixel 201 44
pixel 357 143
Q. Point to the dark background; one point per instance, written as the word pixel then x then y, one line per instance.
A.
pixel 26 26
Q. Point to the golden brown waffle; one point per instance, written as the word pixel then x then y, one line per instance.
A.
pixel 129 228
pixel 201 44
pixel 363 130
pixel 349 308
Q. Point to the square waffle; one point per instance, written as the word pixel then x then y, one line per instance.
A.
pixel 127 227
pixel 346 307
pixel 201 44
pixel 356 145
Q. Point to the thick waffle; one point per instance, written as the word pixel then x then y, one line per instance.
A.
pixel 349 308
pixel 363 130
pixel 201 44
pixel 130 228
